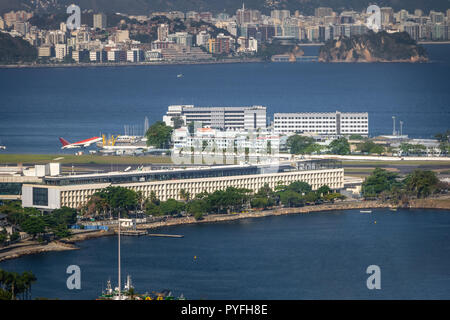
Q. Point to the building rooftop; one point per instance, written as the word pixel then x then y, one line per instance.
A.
pixel 191 172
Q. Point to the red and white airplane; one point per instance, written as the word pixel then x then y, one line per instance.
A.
pixel 83 143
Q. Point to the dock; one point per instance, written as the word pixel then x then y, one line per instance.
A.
pixel 166 235
pixel 133 232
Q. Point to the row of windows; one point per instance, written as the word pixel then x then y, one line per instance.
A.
pixel 171 190
pixel 313 118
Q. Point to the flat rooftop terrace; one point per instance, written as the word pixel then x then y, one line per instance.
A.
pixel 191 172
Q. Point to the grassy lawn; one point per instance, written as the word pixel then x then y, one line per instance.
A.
pixel 83 159
pixel 396 163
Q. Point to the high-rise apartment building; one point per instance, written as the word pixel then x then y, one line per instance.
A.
pixel 100 21
pixel 163 32
pixel 280 15
pixel 221 44
pixel 60 51
pixel 243 16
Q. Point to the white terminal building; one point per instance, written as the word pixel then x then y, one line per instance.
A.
pixel 225 118
pixel 75 190
pixel 327 123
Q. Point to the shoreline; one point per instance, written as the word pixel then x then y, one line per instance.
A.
pixel 19 250
pixel 131 64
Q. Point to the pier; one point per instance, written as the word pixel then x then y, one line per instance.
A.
pixel 133 232
pixel 166 235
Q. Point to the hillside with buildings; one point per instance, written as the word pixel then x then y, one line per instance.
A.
pixel 216 6
pixel 247 34
pixel 373 47
pixel 15 50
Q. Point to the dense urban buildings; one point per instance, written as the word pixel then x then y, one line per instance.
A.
pixel 195 40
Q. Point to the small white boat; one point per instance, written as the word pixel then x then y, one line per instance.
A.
pixel 179 75
pixel 365 211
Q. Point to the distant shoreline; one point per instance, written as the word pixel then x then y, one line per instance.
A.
pixel 130 64
pixel 433 42
pixel 169 63
pixel 441 203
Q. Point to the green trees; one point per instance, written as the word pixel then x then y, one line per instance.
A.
pixel 302 145
pixel 290 198
pixel 185 195
pixel 159 135
pixel 197 208
pixel 380 180
pixel 31 221
pixel 33 226
pixel 114 198
pixel 231 199
pixel 14 285
pixel 299 193
pixel 421 183
pixel 371 147
pixel 408 148
pixel 386 185
pixel 264 198
pixel 323 190
pixel 340 146
pixel 15 50
pixel 444 141
pixel 178 122
pixel 171 207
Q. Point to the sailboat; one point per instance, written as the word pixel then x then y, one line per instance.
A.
pixel 128 292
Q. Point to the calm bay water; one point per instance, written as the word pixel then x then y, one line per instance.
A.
pixel 309 256
pixel 39 105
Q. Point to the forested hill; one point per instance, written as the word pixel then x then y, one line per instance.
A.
pixel 373 47
pixel 229 6
pixel 15 50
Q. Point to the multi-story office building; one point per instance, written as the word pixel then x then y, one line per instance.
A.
pixel 330 123
pixel 74 190
pixel 219 117
pixel 100 21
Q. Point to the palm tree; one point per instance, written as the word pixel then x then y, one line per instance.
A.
pixel 28 278
pixel 185 195
pixel 12 279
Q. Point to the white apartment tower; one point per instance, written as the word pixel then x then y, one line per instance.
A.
pixel 100 21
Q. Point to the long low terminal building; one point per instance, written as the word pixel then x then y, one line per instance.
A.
pixel 75 190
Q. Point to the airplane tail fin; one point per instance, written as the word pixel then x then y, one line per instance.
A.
pixel 64 141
